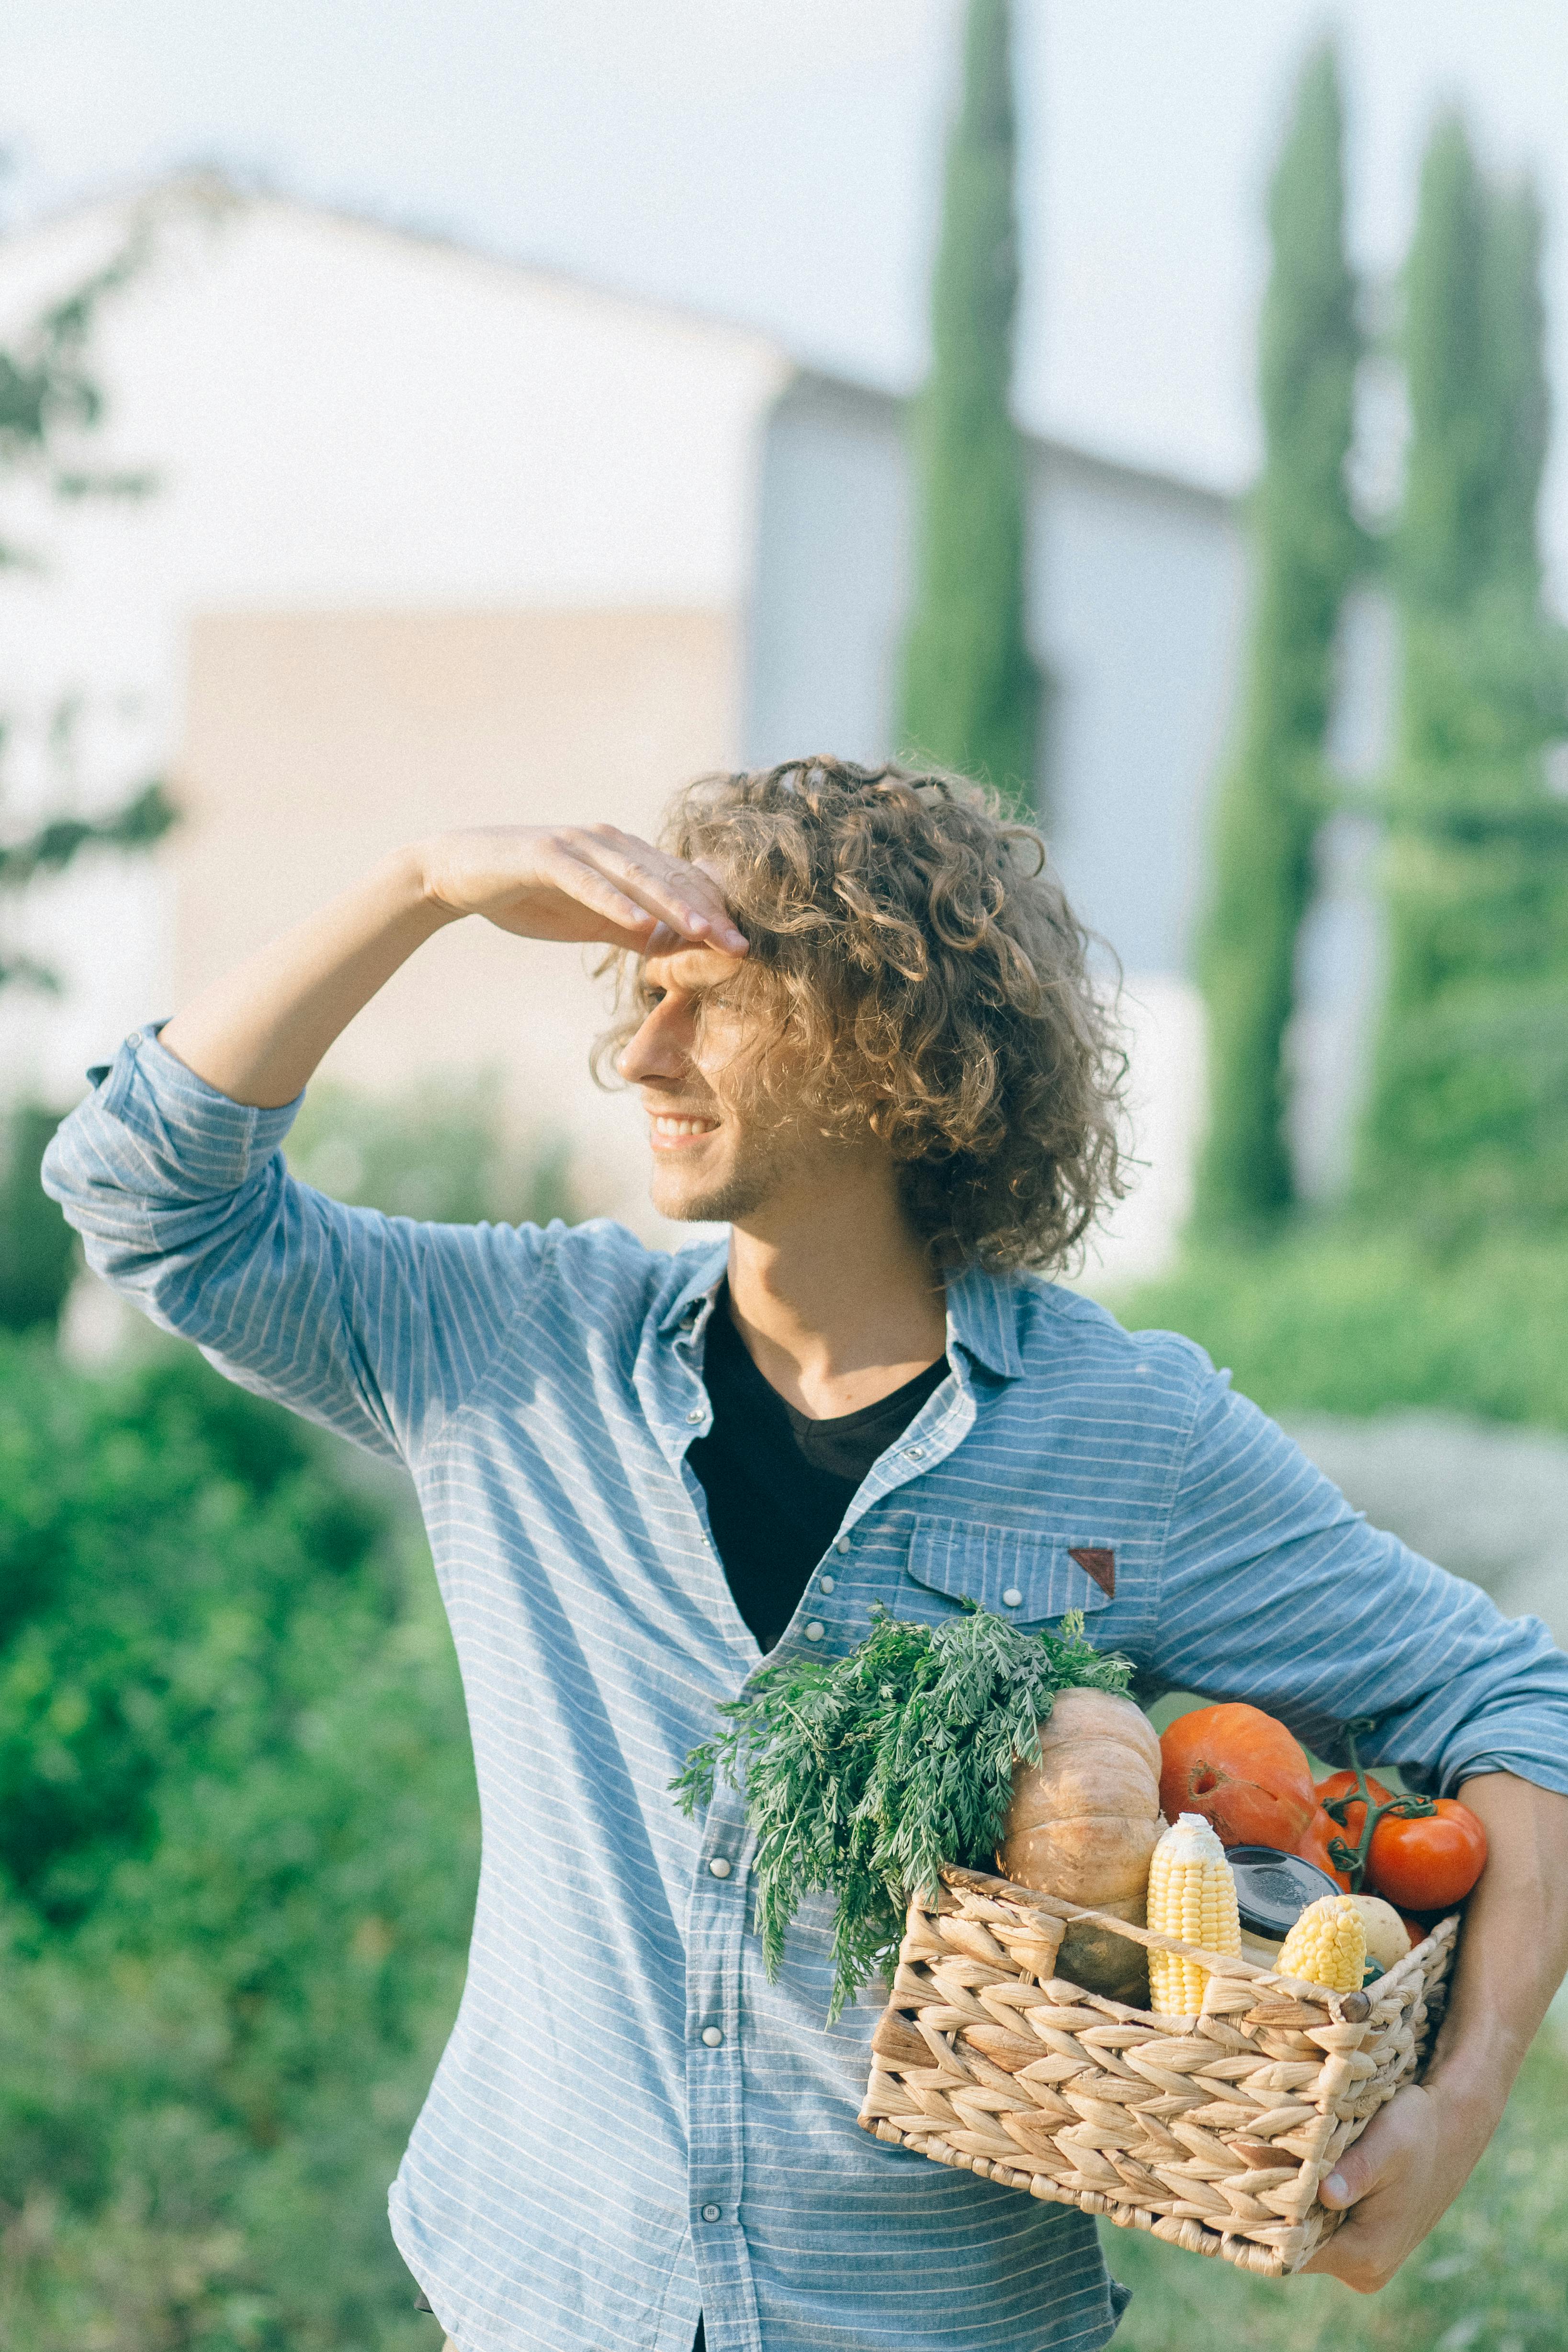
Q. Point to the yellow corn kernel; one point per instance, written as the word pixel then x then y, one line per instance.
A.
pixel 1191 1894
pixel 1327 1946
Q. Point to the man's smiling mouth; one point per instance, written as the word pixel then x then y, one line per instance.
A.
pixel 669 1130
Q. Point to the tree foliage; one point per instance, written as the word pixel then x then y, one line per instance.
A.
pixel 1306 551
pixel 1468 1118
pixel 971 689
pixel 51 398
pixel 237 1852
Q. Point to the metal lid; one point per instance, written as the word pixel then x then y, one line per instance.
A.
pixel 1273 1889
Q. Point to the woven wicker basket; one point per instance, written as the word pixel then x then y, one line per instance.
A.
pixel 1213 2132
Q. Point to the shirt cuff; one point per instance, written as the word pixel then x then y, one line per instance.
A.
pixel 154 1093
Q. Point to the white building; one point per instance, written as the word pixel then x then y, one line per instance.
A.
pixel 436 538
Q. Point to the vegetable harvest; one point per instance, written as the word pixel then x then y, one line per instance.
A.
pixel 863 1775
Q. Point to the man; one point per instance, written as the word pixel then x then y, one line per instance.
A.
pixel 864 1035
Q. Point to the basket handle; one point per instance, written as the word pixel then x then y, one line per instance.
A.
pixel 1354 2006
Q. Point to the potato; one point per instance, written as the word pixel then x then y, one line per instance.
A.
pixel 1387 1940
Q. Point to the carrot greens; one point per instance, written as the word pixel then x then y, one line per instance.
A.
pixel 864 1774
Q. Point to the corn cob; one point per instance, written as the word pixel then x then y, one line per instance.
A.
pixel 1191 1894
pixel 1327 1945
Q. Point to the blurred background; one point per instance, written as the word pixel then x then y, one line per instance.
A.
pixel 506 412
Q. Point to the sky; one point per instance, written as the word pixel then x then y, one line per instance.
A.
pixel 778 162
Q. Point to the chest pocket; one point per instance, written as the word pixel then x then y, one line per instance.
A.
pixel 1016 1573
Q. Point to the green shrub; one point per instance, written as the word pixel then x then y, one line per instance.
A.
pixel 1342 1319
pixel 37 1248
pixel 439 1150
pixel 237 1854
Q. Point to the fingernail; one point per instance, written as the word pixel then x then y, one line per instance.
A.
pixel 1338 2188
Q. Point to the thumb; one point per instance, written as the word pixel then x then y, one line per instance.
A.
pixel 1353 2176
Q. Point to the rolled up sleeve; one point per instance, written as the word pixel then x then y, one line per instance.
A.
pixel 372 1324
pixel 1274 1592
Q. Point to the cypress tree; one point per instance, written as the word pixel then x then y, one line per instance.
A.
pixel 1468 1116
pixel 1515 323
pixel 971 689
pixel 1442 546
pixel 1305 548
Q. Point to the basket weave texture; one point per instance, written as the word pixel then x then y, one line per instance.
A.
pixel 1213 2132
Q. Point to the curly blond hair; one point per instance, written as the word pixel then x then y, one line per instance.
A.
pixel 913 952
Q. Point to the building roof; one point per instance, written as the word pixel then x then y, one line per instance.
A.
pixel 877 404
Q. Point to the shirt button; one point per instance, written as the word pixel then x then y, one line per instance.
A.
pixel 710 2214
pixel 825 1583
pixel 712 2037
pixel 135 1039
pixel 815 1629
pixel 917 1453
pixel 843 1544
pixel 720 1866
pixel 1011 1597
pixel 695 1414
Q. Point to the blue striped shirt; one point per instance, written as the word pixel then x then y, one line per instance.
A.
pixel 630 2124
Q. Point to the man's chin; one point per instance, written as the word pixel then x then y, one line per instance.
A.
pixel 686 1200
pixel 689 1204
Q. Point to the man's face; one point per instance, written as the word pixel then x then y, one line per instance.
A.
pixel 715 1155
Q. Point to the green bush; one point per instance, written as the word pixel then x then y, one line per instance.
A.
pixel 439 1150
pixel 1488 2279
pixel 1343 1318
pixel 37 1248
pixel 237 1855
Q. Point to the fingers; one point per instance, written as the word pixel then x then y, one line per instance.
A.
pixel 650 887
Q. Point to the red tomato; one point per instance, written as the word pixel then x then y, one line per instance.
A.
pixel 1315 1846
pixel 1426 1866
pixel 1243 1771
pixel 1422 1865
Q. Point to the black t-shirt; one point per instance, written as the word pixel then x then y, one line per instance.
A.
pixel 778 1484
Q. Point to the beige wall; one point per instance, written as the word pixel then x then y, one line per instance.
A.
pixel 314 742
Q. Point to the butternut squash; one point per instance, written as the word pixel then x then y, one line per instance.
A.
pixel 1083 1823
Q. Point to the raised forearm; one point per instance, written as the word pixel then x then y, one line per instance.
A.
pixel 257 1033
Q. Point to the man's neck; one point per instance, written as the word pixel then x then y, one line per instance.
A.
pixel 832 1295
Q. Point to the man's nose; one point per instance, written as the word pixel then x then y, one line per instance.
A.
pixel 656 1051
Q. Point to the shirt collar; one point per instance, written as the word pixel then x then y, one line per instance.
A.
pixel 983 1312
pixel 982 1308
pixel 701 1270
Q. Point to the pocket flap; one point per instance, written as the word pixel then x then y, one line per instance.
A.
pixel 1015 1572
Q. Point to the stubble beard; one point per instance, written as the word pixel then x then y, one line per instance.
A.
pixel 751 1182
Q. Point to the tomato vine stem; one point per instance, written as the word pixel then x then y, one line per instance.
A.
pixel 1351 1859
